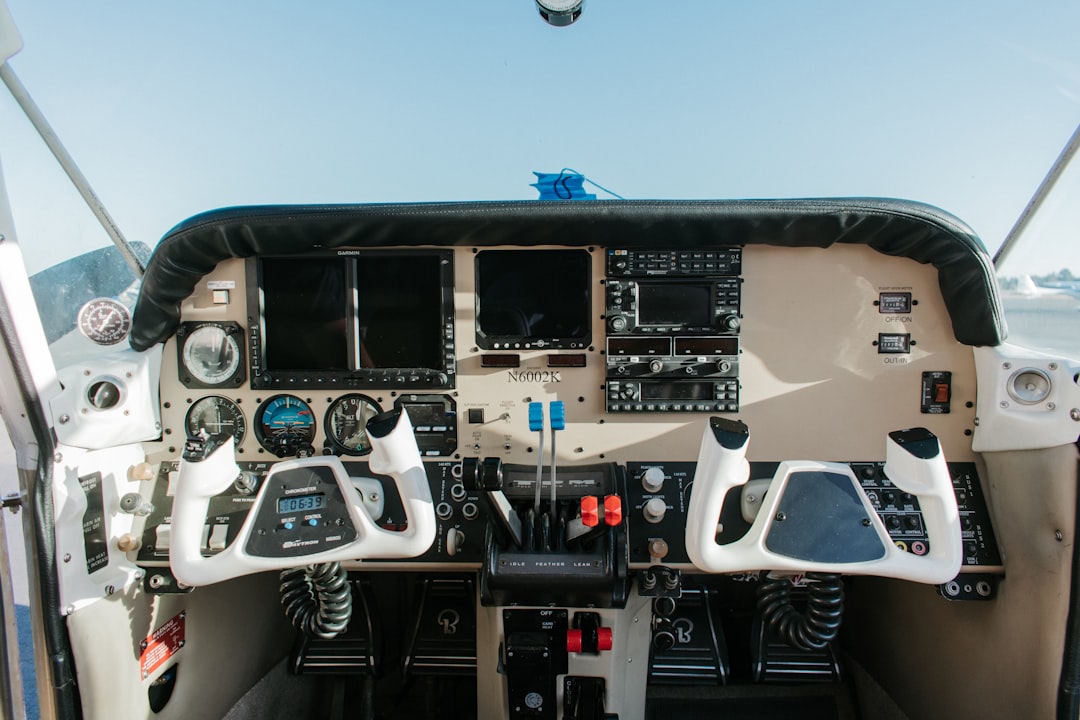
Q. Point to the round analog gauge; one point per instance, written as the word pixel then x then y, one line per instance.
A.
pixel 211 354
pixel 346 424
pixel 285 426
pixel 216 415
pixel 105 321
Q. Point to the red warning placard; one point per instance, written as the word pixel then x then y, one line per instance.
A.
pixel 162 645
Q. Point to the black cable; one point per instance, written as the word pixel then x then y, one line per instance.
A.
pixel 819 625
pixel 317 599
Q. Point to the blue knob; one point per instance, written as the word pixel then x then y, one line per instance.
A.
pixel 536 416
pixel 288 526
pixel 558 415
pixel 312 522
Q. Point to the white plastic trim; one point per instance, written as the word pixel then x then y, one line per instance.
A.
pixel 134 419
pixel 395 455
pixel 720 469
pixel 1004 423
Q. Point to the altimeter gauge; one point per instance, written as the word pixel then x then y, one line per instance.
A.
pixel 104 320
pixel 346 424
pixel 211 354
pixel 215 415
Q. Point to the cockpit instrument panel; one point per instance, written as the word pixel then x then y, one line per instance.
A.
pixel 350 319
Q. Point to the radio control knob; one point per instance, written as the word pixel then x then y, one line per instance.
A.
pixel 655 366
pixel 723 366
pixel 655 510
pixel 617 323
pixel 732 322
pixel 690 370
pixel 653 479
pixel 621 370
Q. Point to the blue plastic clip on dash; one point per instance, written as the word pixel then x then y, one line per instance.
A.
pixel 536 424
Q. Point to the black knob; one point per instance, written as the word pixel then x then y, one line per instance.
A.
pixel 664 606
pixel 470 473
pixel 732 322
pixel 491 474
pixel 664 635
pixel 617 323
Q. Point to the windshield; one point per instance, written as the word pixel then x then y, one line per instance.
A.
pixel 173 110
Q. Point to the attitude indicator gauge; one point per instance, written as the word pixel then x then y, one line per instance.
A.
pixel 211 354
pixel 346 424
pixel 215 415
pixel 285 426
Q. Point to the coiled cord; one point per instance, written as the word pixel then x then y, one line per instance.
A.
pixel 317 599
pixel 824 610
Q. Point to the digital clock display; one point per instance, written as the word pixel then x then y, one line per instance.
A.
pixel 301 503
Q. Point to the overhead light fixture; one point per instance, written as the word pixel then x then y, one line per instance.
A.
pixel 560 13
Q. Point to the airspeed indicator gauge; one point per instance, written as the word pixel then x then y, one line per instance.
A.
pixel 104 320
pixel 346 424
pixel 211 354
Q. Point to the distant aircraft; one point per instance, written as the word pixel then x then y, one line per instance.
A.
pixel 1028 288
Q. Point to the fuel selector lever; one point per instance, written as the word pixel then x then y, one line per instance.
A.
pixel 817 518
pixel 306 511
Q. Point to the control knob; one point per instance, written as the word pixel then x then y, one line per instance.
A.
pixel 653 479
pixel 617 323
pixel 655 510
pixel 731 322
pixel 655 366
pixel 663 634
pixel 723 366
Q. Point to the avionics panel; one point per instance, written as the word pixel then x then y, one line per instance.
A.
pixel 346 319
pixel 673 319
pixel 533 299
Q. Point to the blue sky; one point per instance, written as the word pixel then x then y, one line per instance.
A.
pixel 172 109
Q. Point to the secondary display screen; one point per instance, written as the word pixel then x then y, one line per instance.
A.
pixel 377 310
pixel 300 503
pixel 675 304
pixel 526 296
pixel 677 391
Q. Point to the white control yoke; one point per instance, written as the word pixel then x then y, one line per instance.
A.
pixel 914 463
pixel 394 453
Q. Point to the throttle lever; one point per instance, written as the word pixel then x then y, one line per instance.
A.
pixel 486 477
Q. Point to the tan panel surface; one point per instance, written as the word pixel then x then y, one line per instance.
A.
pixel 813 383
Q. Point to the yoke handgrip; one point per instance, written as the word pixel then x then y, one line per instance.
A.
pixel 341 526
pixel 914 463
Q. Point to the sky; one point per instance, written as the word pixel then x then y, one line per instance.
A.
pixel 172 109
